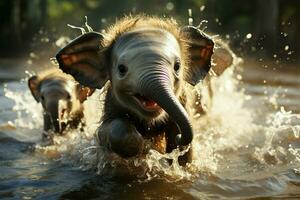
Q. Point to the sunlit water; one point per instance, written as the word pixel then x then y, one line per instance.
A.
pixel 246 147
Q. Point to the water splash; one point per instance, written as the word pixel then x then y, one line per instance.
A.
pixel 282 136
pixel 190 19
pixel 28 113
pixel 83 31
pixel 230 129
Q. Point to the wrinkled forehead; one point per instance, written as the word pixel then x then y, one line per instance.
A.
pixel 56 85
pixel 147 41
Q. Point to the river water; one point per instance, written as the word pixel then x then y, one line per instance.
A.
pixel 246 147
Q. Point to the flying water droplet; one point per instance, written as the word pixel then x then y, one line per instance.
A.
pixel 76 27
pixel 87 26
pixel 190 20
pixel 202 8
pixel 170 6
pixel 286 47
pixel 53 61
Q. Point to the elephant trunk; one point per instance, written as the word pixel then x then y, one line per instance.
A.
pixel 156 85
pixel 53 112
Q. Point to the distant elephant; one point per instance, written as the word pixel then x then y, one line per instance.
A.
pixel 61 97
pixel 152 66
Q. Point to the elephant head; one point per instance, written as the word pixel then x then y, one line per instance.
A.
pixel 147 61
pixel 61 98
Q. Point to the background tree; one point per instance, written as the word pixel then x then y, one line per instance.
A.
pixel 273 24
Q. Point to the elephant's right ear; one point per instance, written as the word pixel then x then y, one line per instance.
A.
pixel 222 58
pixel 33 84
pixel 200 48
pixel 81 59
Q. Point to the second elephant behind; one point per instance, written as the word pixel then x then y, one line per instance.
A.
pixel 62 100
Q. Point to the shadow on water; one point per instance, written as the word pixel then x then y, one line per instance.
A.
pixel 12 149
pixel 124 188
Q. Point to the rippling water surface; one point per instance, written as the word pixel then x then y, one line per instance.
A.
pixel 246 147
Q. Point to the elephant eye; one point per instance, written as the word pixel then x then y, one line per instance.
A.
pixel 68 96
pixel 122 70
pixel 177 67
pixel 42 97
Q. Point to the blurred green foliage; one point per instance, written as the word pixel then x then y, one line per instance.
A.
pixel 273 24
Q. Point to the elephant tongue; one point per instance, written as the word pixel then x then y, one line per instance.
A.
pixel 148 103
pixel 62 113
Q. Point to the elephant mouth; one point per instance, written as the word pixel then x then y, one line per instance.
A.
pixel 147 104
pixel 62 113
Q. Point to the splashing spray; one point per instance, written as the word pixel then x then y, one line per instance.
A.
pixel 190 19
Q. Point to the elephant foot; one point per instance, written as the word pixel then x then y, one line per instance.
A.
pixel 122 138
pixel 186 158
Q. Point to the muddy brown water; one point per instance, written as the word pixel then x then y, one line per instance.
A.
pixel 246 147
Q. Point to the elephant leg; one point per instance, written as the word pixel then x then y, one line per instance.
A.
pixel 47 126
pixel 172 144
pixel 187 157
pixel 121 137
pixel 47 135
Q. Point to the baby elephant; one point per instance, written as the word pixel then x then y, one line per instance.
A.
pixel 151 66
pixel 61 97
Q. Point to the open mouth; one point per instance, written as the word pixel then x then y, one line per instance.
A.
pixel 62 113
pixel 147 103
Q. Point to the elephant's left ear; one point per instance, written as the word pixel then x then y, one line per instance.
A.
pixel 81 59
pixel 200 48
pixel 33 84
